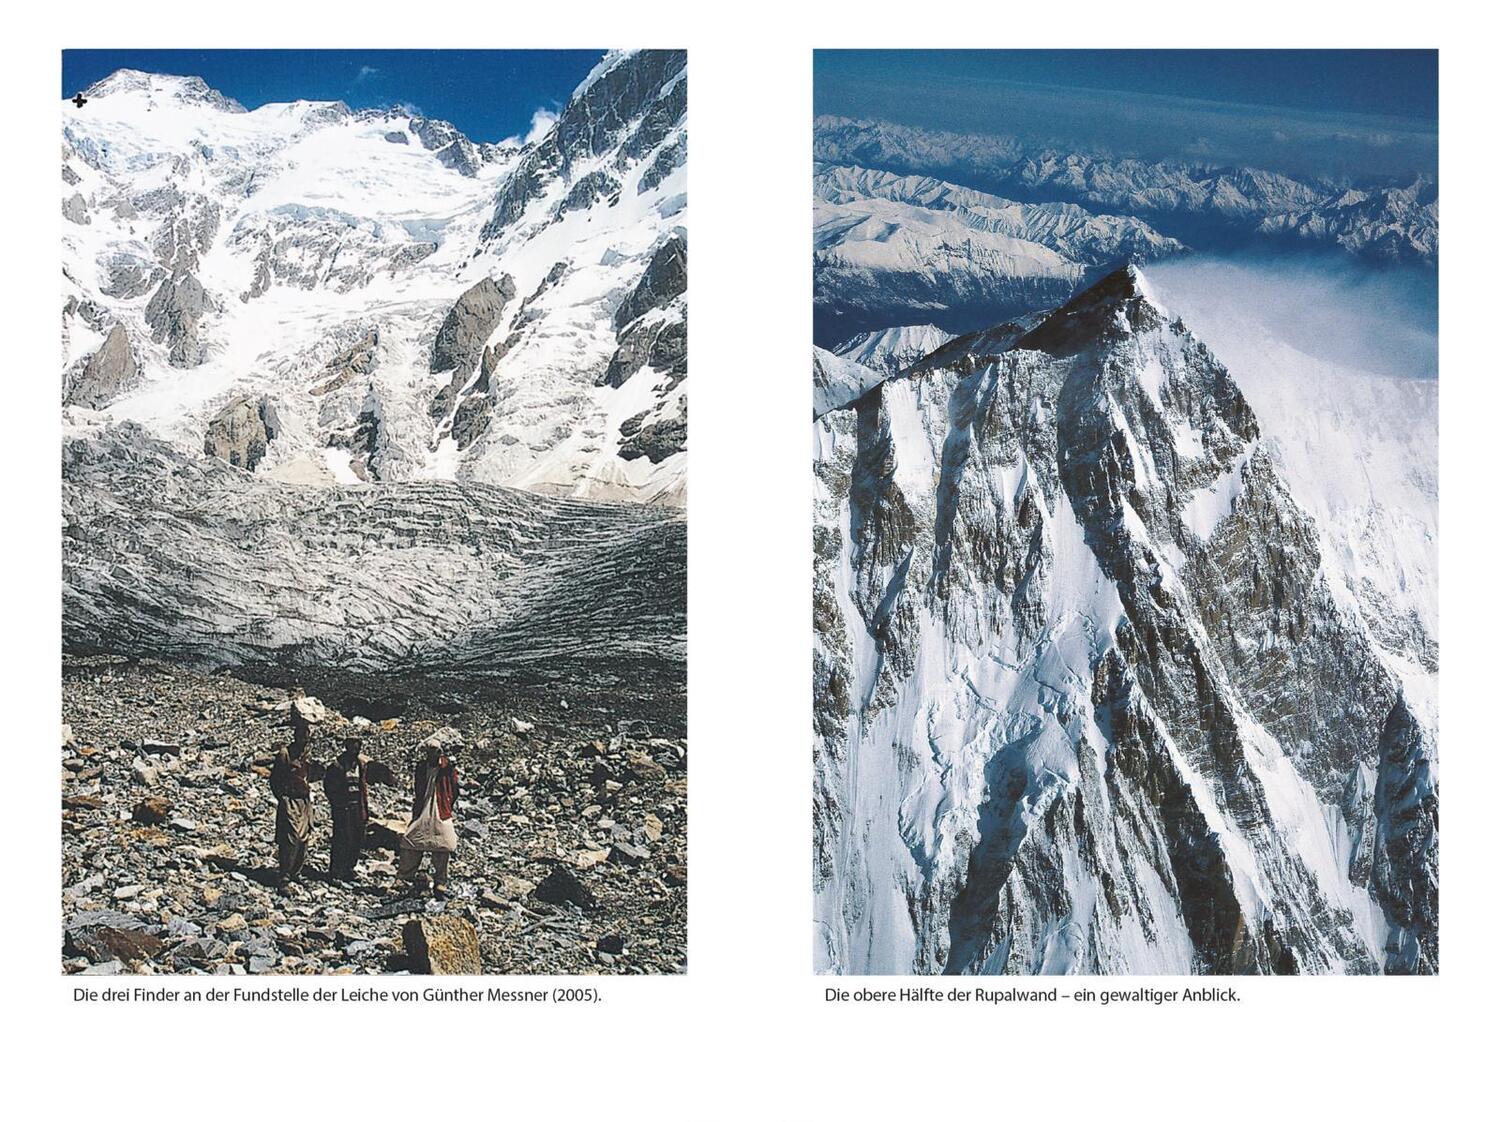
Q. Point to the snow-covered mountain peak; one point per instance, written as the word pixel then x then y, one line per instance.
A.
pixel 184 89
pixel 1073 622
pixel 1118 304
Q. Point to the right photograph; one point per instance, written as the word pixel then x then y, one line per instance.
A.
pixel 1125 455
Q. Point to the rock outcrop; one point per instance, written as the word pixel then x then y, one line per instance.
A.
pixel 174 314
pixel 462 337
pixel 106 372
pixel 241 432
pixel 664 280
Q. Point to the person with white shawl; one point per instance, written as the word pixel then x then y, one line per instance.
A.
pixel 432 823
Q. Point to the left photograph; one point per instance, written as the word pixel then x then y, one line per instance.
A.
pixel 374 485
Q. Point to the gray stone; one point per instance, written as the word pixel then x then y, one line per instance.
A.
pixel 76 210
pixel 174 314
pixel 108 371
pixel 465 330
pixel 241 432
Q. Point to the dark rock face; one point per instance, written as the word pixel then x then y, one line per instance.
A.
pixel 632 89
pixel 174 314
pixel 661 344
pixel 470 419
pixel 1405 866
pixel 651 331
pixel 461 339
pixel 658 341
pixel 464 333
pixel 241 431
pixel 1087 647
pixel 664 280
pixel 589 190
pixel 108 371
pixel 397 138
pixel 668 160
pixel 453 148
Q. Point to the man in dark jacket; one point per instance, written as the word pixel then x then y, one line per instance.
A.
pixel 347 785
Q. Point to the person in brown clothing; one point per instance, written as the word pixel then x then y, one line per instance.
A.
pixel 347 785
pixel 290 775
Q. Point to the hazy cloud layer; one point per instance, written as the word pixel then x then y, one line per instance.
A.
pixel 1380 321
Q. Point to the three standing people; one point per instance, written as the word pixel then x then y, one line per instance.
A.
pixel 346 783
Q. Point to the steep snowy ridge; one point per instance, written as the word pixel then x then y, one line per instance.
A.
pixel 1088 697
pixel 308 256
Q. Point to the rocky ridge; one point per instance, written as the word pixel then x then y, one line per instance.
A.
pixel 1086 701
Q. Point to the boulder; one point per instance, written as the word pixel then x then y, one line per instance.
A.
pixel 385 833
pixel 442 945
pixel 446 739
pixel 562 887
pixel 105 944
pixel 152 812
pixel 242 431
pixel 308 709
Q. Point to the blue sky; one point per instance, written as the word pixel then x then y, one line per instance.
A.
pixel 1352 112
pixel 489 95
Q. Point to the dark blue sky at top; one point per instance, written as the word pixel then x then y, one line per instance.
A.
pixel 1353 112
pixel 489 95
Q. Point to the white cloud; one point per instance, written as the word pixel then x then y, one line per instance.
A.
pixel 541 124
pixel 364 73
